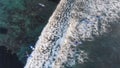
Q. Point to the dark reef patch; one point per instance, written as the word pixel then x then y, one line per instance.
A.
pixel 3 30
pixel 8 60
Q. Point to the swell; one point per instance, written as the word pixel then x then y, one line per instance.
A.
pixel 72 22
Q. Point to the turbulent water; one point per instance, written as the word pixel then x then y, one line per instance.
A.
pixel 80 34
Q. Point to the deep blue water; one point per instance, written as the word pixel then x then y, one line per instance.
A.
pixel 8 60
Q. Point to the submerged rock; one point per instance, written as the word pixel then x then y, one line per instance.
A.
pixel 74 23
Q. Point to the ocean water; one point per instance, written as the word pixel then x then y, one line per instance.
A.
pixel 24 20
pixel 103 52
pixel 21 22
pixel 9 60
